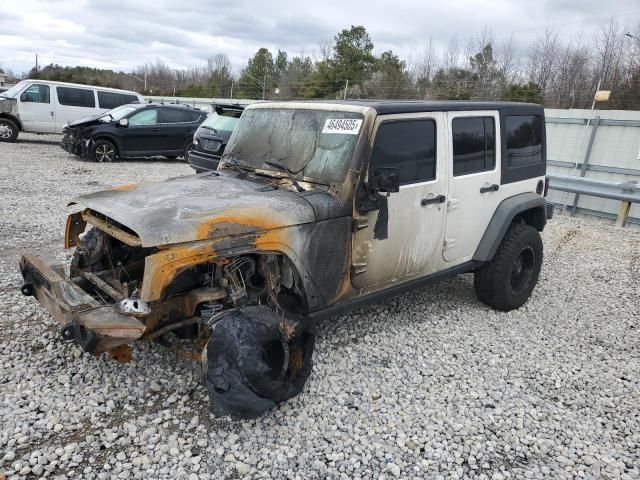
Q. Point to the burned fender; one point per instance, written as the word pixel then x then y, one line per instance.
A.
pixel 256 359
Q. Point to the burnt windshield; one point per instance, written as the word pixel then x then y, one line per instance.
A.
pixel 316 144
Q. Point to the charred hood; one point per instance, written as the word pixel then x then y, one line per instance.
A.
pixel 211 205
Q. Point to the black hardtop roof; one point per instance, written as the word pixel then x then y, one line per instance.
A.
pixel 414 106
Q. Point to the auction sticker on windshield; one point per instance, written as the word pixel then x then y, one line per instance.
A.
pixel 348 126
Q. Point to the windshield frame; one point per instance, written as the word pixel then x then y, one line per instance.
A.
pixel 17 88
pixel 108 116
pixel 368 114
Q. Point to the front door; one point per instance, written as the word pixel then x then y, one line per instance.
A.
pixel 36 109
pixel 474 146
pixel 143 135
pixel 415 215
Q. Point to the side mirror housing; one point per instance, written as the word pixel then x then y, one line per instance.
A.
pixel 385 179
pixel 124 122
pixel 24 97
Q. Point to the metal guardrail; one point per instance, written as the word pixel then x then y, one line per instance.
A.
pixel 625 192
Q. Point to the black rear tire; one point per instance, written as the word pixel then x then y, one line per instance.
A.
pixel 251 365
pixel 104 151
pixel 185 153
pixel 506 282
pixel 8 130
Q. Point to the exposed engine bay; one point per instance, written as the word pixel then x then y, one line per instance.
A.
pixel 112 273
pixel 100 307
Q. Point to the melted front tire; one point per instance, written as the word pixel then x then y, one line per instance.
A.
pixel 256 359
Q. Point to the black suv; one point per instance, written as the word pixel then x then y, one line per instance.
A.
pixel 134 130
pixel 212 136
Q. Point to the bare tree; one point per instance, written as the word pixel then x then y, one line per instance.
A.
pixel 572 81
pixel 609 55
pixel 542 60
pixel 424 68
pixel 506 60
pixel 451 57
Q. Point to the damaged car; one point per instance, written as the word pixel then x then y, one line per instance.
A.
pixel 316 209
pixel 212 136
pixel 132 131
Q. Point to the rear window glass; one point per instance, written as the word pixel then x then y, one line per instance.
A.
pixel 474 145
pixel 524 140
pixel 225 121
pixel 112 100
pixel 76 97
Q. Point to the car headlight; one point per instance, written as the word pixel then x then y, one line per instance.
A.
pixel 196 141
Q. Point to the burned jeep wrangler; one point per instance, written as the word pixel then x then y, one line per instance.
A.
pixel 317 208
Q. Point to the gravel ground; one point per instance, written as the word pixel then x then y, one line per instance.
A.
pixel 429 385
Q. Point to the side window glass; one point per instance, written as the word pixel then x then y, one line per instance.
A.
pixel 524 140
pixel 474 145
pixel 76 97
pixel 112 100
pixel 172 115
pixel 36 94
pixel 146 117
pixel 409 146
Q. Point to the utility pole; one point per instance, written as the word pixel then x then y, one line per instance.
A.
pixel 264 83
pixel 231 97
pixel 346 86
pixel 36 62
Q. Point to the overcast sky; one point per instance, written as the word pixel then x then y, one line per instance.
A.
pixel 123 34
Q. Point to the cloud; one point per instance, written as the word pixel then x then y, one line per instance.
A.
pixel 124 34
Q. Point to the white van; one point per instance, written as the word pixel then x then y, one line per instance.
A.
pixel 41 106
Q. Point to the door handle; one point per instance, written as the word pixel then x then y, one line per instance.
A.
pixel 430 201
pixel 52 114
pixel 155 129
pixel 491 188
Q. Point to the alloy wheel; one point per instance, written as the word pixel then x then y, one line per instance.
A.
pixel 105 153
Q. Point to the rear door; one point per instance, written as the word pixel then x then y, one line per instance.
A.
pixel 73 103
pixel 474 182
pixel 36 109
pixel 176 129
pixel 411 143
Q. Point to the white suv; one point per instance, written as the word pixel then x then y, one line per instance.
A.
pixel 316 208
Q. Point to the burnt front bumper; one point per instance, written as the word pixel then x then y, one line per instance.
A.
pixel 97 327
pixel 73 142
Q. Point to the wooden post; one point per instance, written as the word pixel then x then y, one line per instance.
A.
pixel 623 214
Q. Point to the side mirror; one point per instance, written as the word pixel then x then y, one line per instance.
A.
pixel 124 122
pixel 24 97
pixel 385 179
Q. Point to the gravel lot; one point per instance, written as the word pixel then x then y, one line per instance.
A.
pixel 429 385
